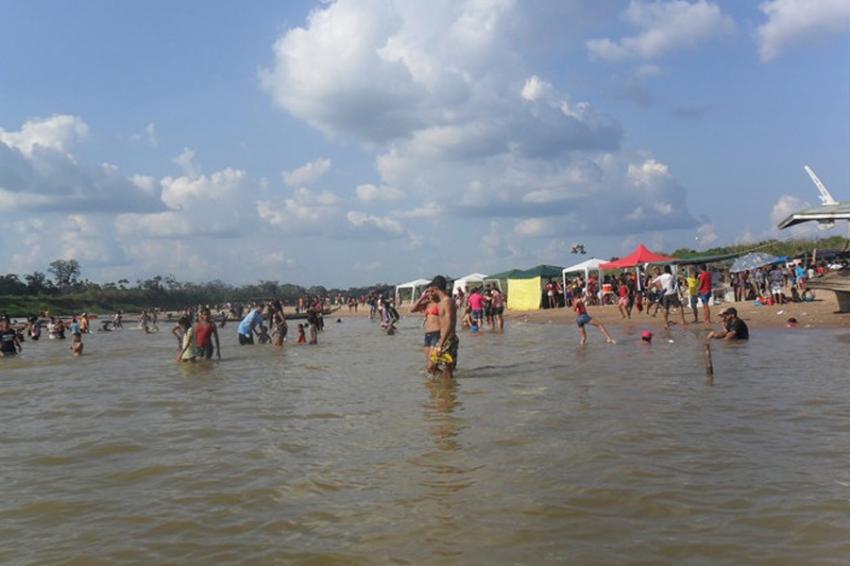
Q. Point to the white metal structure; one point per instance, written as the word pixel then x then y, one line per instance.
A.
pixel 585 267
pixel 414 287
pixel 467 280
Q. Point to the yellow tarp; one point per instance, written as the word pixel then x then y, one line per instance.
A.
pixel 524 294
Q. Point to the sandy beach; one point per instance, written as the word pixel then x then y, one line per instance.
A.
pixel 821 313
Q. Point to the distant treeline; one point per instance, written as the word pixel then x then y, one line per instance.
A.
pixel 67 293
pixel 790 248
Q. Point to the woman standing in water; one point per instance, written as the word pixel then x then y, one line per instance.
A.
pixel 430 307
pixel 187 349
pixel 205 334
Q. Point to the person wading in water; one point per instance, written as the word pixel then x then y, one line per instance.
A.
pixel 444 346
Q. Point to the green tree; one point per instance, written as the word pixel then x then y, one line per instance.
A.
pixel 65 272
pixel 36 282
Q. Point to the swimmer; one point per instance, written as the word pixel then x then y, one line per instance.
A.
pixel 583 319
pixel 646 337
pixel 301 338
pixel 791 323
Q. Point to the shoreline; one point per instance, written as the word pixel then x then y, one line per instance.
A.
pixel 821 313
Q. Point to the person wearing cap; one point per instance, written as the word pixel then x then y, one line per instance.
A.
pixel 733 327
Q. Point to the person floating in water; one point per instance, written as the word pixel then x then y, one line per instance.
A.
pixel 583 319
pixel 733 327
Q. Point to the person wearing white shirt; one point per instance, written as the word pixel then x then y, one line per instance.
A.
pixel 668 284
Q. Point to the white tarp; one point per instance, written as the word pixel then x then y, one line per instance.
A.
pixel 585 267
pixel 465 281
pixel 414 286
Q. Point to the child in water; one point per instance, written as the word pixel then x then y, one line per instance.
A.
pixel 302 339
pixel 77 344
pixel 187 351
pixel 583 319
pixel 263 335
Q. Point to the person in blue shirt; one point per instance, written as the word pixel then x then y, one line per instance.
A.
pixel 250 325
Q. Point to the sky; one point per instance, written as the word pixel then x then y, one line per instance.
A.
pixel 350 142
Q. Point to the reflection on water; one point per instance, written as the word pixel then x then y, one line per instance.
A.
pixel 346 453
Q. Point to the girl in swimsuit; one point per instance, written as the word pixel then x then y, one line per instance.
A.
pixel 583 319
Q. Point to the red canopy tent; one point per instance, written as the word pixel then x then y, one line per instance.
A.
pixel 638 257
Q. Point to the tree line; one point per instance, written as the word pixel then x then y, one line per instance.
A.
pixel 67 290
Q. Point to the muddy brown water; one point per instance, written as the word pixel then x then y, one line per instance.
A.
pixel 541 452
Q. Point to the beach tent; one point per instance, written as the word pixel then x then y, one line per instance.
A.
pixel 755 260
pixel 471 280
pixel 414 287
pixel 584 267
pixel 640 256
pixel 525 288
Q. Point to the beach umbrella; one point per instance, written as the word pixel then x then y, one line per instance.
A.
pixel 753 261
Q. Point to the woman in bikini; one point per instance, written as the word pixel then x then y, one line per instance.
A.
pixel 429 304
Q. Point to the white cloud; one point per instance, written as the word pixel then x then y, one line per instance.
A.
pixel 199 206
pixel 57 133
pixel 148 134
pixel 370 193
pixel 535 88
pixel 186 161
pixel 533 228
pixel 792 22
pixel 38 172
pixel 706 234
pixel 663 27
pixel 307 174
pixel 384 224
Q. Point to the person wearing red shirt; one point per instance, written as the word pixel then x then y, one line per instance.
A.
pixel 705 293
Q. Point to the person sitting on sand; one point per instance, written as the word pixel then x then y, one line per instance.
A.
pixel 733 327
pixel 583 319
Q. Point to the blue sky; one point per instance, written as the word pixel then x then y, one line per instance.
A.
pixel 359 141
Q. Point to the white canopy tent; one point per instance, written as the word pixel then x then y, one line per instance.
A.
pixel 585 267
pixel 467 280
pixel 414 287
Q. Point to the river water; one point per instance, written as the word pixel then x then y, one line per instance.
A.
pixel 344 453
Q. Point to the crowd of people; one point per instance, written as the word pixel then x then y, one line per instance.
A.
pixel 693 289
